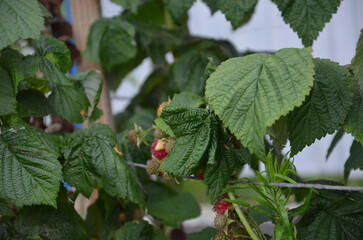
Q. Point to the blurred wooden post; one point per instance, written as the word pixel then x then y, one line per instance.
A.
pixel 84 13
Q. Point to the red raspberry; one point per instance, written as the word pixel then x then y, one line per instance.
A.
pixel 222 207
pixel 160 154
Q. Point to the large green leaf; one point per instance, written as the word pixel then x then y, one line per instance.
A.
pixel 338 220
pixel 111 41
pixel 177 8
pixel 18 66
pixel 250 93
pixel 44 222
pixel 91 158
pixel 30 171
pixel 325 109
pixel 227 158
pixel 238 12
pixel 19 19
pixel 7 98
pixel 174 209
pixel 355 160
pixel 358 61
pixel 134 231
pixel 33 103
pixel 354 121
pixel 69 102
pixel 193 128
pixel 308 17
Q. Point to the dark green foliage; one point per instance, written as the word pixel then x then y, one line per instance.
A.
pixel 30 170
pixel 332 215
pixel 307 18
pixel 355 160
pixel 325 109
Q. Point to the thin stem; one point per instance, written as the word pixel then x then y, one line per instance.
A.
pixel 243 218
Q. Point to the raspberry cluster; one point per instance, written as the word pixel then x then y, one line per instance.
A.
pixel 160 150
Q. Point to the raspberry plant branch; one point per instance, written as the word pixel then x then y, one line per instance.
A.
pixel 243 218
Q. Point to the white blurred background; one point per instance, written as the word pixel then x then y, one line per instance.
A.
pixel 267 31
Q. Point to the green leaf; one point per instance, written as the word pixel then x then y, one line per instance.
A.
pixel 134 231
pixel 79 171
pixel 177 8
pixel 193 128
pixel 91 158
pixel 205 234
pixel 33 103
pixel 357 62
pixel 18 66
pixel 164 127
pixel 19 19
pixel 44 222
pixel 354 122
pixel 250 93
pixel 227 158
pixel 174 209
pixel 51 50
pixel 45 12
pixel 307 18
pixel 238 12
pixel 111 42
pixel 69 102
pixel 187 73
pixel 188 99
pixel 92 83
pixel 355 160
pixel 337 137
pixel 339 220
pixel 212 4
pixel 325 109
pixel 30 170
pixel 7 103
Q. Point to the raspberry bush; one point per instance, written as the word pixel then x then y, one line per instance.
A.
pixel 205 116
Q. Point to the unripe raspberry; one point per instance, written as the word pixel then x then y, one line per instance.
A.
pixel 220 221
pixel 131 136
pixel 169 145
pixel 160 109
pixel 220 236
pixel 158 134
pixel 152 166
